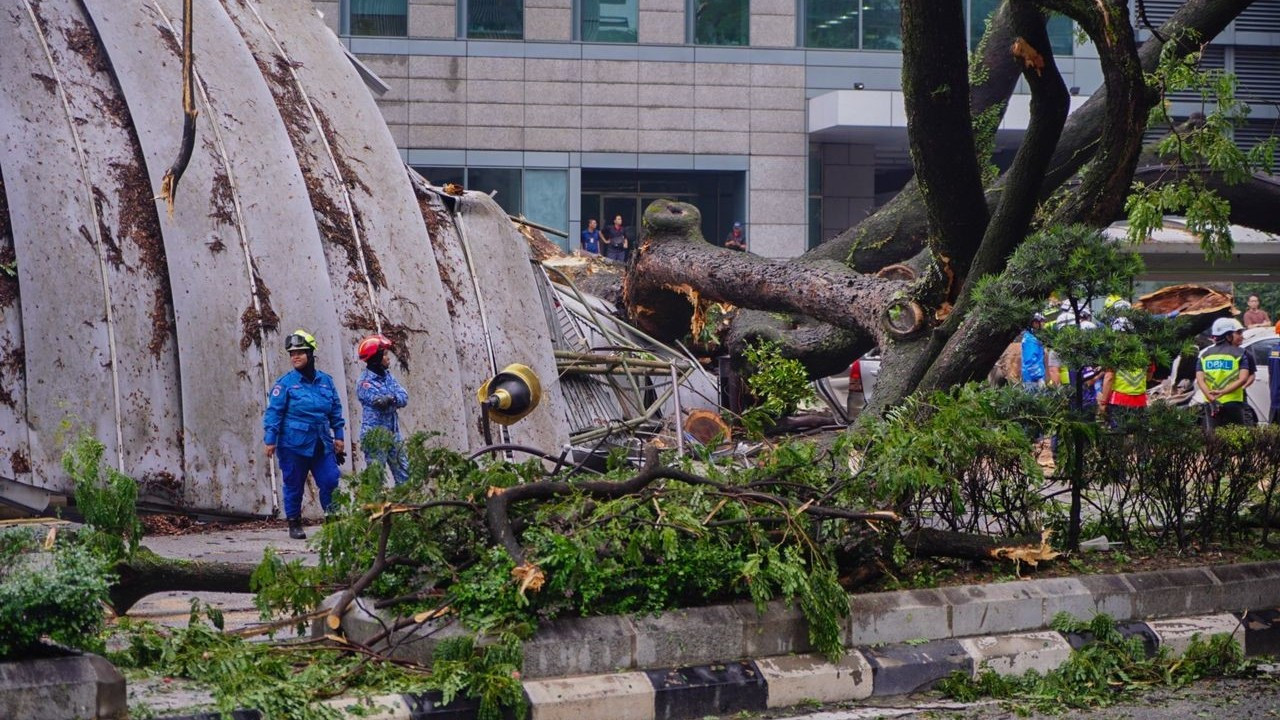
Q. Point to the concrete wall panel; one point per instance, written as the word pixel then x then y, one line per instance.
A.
pixel 15 451
pixel 58 262
pixel 224 375
pixel 135 273
pixel 411 296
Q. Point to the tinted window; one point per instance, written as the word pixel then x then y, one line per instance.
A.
pixel 1261 350
pixel 495 19
pixel 720 22
pixel 379 17
pixel 609 21
pixel 881 25
pixel 831 24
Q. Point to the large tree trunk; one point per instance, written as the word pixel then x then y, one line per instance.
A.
pixel 943 229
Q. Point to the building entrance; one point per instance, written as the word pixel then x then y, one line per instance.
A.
pixel 719 196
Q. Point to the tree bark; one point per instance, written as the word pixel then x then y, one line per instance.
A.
pixel 935 89
pixel 927 542
pixel 660 297
pixel 149 573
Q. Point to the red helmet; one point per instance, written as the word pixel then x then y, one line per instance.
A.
pixel 372 345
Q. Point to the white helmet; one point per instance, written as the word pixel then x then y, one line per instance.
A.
pixel 1222 326
pixel 1121 324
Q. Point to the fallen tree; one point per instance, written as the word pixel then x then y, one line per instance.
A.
pixel 949 225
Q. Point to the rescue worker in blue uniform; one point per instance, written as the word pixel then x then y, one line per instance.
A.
pixel 303 427
pixel 381 398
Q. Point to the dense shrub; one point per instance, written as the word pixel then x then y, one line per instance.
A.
pixel 1172 483
pixel 58 594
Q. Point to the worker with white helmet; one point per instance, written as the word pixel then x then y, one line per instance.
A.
pixel 1222 373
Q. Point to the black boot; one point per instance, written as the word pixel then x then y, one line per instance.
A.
pixel 295 529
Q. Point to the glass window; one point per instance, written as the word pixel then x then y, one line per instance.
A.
pixel 546 198
pixel 831 24
pixel 379 17
pixel 1061 29
pixel 506 181
pixel 721 22
pixel 815 222
pixel 881 25
pixel 979 13
pixel 609 21
pixel 495 19
pixel 439 176
pixel 1062 35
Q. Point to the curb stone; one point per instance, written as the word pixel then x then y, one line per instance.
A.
pixel 701 636
pixel 688 693
pixel 688 664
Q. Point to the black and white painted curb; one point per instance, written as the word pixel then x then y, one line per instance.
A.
pixel 688 663
pixel 784 681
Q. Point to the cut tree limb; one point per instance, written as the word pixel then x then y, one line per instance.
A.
pixel 928 542
pixel 660 299
pixel 149 573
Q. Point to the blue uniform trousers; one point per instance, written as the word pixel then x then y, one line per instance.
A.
pixel 323 466
pixel 395 459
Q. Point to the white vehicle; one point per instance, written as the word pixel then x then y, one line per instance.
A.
pixel 850 391
pixel 1258 342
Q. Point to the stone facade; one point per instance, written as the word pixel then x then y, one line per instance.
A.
pixel 656 98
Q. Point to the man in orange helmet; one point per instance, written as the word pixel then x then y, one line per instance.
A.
pixel 381 398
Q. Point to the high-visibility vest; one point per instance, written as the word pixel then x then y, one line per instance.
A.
pixel 1131 382
pixel 1221 365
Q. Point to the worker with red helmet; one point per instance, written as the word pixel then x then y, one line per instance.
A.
pixel 381 398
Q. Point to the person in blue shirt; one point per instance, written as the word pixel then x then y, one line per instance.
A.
pixel 1033 355
pixel 303 428
pixel 591 238
pixel 381 398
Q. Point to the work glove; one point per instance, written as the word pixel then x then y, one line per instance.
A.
pixel 342 457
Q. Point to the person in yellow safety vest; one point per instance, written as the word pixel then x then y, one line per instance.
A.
pixel 1124 390
pixel 1223 371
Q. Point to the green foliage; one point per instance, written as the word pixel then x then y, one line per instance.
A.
pixel 985 125
pixel 788 574
pixel 56 594
pixel 106 498
pixel 1108 670
pixel 285 683
pixel 671 545
pixel 779 383
pixel 290 586
pixel 962 456
pixel 1173 485
pixel 489 673
pixel 1074 262
pixel 1196 146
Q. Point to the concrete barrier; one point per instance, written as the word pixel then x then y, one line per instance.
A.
pixel 75 686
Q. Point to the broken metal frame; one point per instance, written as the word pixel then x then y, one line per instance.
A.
pixel 614 366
